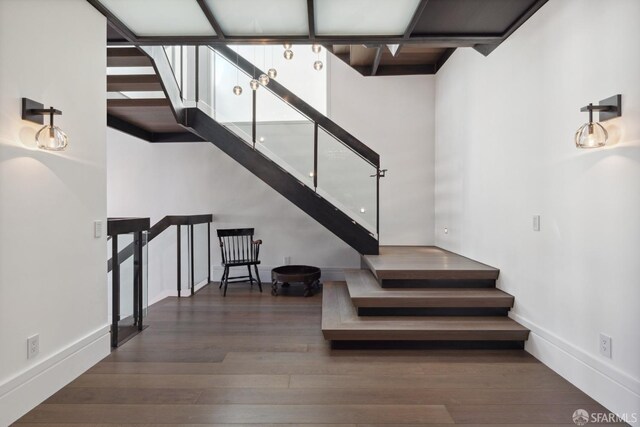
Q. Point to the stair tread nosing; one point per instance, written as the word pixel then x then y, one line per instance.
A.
pixel 365 291
pixel 341 322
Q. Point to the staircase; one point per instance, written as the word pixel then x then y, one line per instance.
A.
pixel 419 296
pixel 336 182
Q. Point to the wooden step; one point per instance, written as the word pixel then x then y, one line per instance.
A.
pixel 341 323
pixel 127 57
pixel 409 266
pixel 153 115
pixel 366 293
pixel 133 83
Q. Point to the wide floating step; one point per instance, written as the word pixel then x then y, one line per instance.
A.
pixel 340 322
pixel 428 266
pixel 370 298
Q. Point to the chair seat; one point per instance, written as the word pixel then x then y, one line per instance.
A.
pixel 241 262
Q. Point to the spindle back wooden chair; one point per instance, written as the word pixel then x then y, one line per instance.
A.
pixel 239 249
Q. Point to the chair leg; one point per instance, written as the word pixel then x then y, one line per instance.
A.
pixel 250 276
pixel 258 277
pixel 224 275
pixel 226 284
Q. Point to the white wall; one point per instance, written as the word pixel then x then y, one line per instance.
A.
pixel 505 151
pixel 155 180
pixel 52 270
pixel 394 116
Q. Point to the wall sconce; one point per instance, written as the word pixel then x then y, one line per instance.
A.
pixel 593 134
pixel 50 137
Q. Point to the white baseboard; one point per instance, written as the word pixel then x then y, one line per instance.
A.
pixel 614 389
pixel 29 388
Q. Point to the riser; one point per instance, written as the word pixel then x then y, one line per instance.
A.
pixel 427 345
pixel 435 311
pixel 438 283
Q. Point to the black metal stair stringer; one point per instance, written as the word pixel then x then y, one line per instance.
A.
pixel 284 183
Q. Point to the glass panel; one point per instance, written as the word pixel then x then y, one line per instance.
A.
pixel 344 179
pixel 126 283
pixel 145 274
pixel 284 135
pixel 200 249
pixel 161 17
pixel 364 17
pixel 217 97
pixel 259 17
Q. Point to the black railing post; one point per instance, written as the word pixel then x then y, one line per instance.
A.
pixel 208 252
pixel 315 156
pixel 378 204
pixel 253 120
pixel 191 260
pixel 137 285
pixel 179 260
pixel 115 292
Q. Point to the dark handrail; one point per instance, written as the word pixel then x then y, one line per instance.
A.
pixel 307 110
pixel 158 228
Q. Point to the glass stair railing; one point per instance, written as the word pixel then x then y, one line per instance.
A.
pixel 278 125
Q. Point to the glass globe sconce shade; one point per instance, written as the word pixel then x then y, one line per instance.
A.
pixel 49 137
pixel 237 90
pixel 317 65
pixel 316 48
pixel 288 54
pixel 263 79
pixel 272 73
pixel 593 134
pixel 254 84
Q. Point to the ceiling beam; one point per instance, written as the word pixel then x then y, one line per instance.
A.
pixel 376 60
pixel 414 20
pixel 443 58
pixel 428 40
pixel 397 70
pixel 212 19
pixel 487 48
pixel 116 24
pixel 311 17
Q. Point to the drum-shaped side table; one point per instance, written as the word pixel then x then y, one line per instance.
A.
pixel 305 274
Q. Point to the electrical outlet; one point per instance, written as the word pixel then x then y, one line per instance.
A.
pixel 33 346
pixel 97 229
pixel 605 345
pixel 536 223
pixel 287 260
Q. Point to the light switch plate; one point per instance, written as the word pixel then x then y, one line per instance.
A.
pixel 536 223
pixel 97 229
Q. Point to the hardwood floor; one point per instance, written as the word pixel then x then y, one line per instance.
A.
pixel 254 359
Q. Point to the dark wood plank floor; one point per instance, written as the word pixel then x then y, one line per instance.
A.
pixel 254 359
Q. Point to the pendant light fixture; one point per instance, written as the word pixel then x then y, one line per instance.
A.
pixel 273 73
pixel 317 65
pixel 254 84
pixel 237 89
pixel 288 53
pixel 264 79
pixel 593 134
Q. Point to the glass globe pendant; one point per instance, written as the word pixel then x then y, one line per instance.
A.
pixel 317 65
pixel 263 79
pixel 273 73
pixel 51 137
pixel 287 46
pixel 288 54
pixel 237 90
pixel 316 48
pixel 591 135
pixel 254 84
